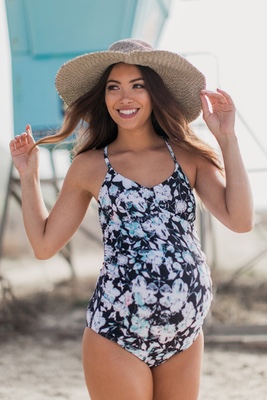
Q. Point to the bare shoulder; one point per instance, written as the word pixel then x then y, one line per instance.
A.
pixel 189 162
pixel 88 170
pixel 89 161
pixel 199 170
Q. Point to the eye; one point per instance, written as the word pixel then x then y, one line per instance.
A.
pixel 112 87
pixel 138 86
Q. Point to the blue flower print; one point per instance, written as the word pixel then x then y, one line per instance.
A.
pixel 113 190
pixel 155 226
pixel 104 193
pixel 98 321
pixel 132 199
pixel 144 293
pixel 110 292
pixel 140 326
pixel 134 229
pixel 187 256
pixel 154 289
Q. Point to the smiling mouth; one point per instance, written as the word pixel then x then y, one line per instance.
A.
pixel 128 112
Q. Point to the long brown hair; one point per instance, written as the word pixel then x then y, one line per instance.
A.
pixel 89 116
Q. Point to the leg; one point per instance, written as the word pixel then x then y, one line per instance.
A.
pixel 179 377
pixel 112 373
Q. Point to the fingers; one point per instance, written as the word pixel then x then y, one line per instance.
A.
pixel 22 140
pixel 205 104
pixel 19 141
pixel 220 96
pixel 225 94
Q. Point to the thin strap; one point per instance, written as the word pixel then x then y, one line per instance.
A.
pixel 167 144
pixel 171 151
pixel 106 157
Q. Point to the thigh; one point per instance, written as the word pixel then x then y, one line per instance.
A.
pixel 112 373
pixel 179 377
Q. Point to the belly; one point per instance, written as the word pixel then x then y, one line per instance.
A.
pixel 150 301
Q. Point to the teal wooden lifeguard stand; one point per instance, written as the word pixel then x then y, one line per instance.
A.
pixel 43 34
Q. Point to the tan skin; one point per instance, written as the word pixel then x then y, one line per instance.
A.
pixel 141 155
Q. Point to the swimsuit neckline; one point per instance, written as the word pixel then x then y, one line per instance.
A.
pixel 139 184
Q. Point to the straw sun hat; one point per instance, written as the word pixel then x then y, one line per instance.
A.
pixel 77 76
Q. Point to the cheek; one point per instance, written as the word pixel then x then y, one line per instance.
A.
pixel 149 104
pixel 147 100
pixel 110 99
pixel 108 103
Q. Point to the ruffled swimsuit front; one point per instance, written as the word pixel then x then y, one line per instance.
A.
pixel 154 289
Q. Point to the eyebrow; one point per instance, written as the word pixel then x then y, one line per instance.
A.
pixel 131 81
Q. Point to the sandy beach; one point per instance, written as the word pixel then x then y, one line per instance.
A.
pixel 41 357
pixel 48 366
pixel 40 341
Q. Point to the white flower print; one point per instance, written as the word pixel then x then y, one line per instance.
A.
pixel 155 257
pixel 189 313
pixel 180 206
pixel 164 333
pixel 98 321
pixel 134 229
pixel 105 198
pixel 109 251
pixel 140 326
pixel 163 192
pixel 131 200
pixel 144 293
pixel 177 266
pixel 154 289
pixel 125 182
pixel 156 226
pixel 111 270
pixel 122 260
pixel 110 292
pixel 113 190
pixel 122 305
pixel 144 312
pixel 188 341
pixel 187 256
pixel 179 295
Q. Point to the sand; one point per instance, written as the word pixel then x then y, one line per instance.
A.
pixel 40 349
pixel 47 368
pixel 41 358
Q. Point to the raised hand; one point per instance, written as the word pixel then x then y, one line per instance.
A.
pixel 24 156
pixel 218 112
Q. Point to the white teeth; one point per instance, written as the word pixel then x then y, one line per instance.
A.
pixel 128 112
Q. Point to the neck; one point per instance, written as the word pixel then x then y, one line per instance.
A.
pixel 137 140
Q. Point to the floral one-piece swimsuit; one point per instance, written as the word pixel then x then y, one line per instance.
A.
pixel 154 288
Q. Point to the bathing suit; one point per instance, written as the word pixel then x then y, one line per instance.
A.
pixel 154 288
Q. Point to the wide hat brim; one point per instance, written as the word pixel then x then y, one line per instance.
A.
pixel 79 75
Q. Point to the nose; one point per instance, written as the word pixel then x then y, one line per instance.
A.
pixel 126 96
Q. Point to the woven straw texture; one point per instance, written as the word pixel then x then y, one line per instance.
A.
pixel 79 75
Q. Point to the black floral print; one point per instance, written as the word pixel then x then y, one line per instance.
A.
pixel 154 289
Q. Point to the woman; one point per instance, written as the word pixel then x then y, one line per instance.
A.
pixel 137 156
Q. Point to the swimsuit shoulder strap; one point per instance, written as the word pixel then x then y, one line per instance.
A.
pixel 106 157
pixel 171 151
pixel 167 144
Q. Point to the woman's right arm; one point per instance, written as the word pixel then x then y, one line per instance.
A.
pixel 47 231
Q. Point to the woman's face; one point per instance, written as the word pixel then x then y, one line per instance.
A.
pixel 127 100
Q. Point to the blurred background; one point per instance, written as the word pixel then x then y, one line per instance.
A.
pixel 43 303
pixel 225 40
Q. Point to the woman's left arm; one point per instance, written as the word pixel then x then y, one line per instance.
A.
pixel 229 199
